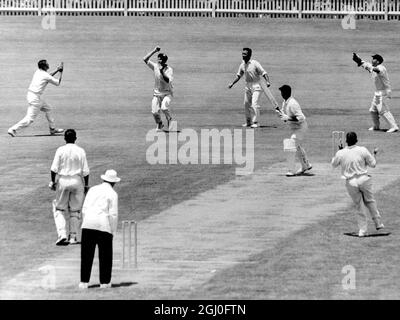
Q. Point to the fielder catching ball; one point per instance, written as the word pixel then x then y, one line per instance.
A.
pixel 36 104
pixel 379 105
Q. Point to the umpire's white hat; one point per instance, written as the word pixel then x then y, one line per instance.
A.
pixel 110 176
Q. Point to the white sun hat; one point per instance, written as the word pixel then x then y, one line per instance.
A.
pixel 110 176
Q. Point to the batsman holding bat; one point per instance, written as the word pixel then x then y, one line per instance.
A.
pixel 70 179
pixel 254 75
pixel 293 116
pixel 379 105
pixel 36 104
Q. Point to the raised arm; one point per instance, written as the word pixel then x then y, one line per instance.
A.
pixel 149 55
pixel 363 64
pixel 60 69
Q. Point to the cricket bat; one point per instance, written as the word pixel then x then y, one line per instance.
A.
pixel 268 93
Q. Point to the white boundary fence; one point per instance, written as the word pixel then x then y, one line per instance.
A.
pixel 375 9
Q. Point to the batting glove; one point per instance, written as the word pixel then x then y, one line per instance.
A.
pixel 284 117
pixel 52 185
pixel 357 59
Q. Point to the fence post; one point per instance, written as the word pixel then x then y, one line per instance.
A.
pixel 39 4
pixel 386 9
pixel 125 8
pixel 300 2
pixel 213 4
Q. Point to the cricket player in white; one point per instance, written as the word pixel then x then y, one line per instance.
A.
pixel 36 104
pixel 71 167
pixel 163 93
pixel 293 116
pixel 252 72
pixel 380 102
pixel 354 161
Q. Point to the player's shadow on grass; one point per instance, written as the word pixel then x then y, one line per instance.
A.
pixel 306 174
pixel 262 127
pixel 380 130
pixel 172 131
pixel 115 285
pixel 40 135
pixel 355 234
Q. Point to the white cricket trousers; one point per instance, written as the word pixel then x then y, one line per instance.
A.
pixel 297 132
pixel 36 104
pixel 161 102
pixel 360 190
pixel 69 198
pixel 380 108
pixel 252 94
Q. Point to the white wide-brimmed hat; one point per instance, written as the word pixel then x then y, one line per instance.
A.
pixel 110 176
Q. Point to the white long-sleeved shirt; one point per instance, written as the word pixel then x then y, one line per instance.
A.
pixel 70 160
pixel 353 161
pixel 381 78
pixel 40 80
pixel 252 71
pixel 100 209
pixel 161 87
pixel 292 109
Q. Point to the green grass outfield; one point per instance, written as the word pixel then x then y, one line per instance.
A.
pixel 105 95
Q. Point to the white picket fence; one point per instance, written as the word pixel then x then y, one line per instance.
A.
pixel 377 9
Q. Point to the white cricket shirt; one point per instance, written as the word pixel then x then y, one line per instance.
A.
pixel 381 79
pixel 292 109
pixel 100 209
pixel 40 80
pixel 70 160
pixel 252 71
pixel 161 87
pixel 353 161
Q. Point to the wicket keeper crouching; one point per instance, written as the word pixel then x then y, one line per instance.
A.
pixel 71 168
pixel 292 114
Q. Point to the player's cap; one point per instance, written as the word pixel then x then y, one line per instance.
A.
pixel 110 176
pixel 163 57
pixel 285 87
pixel 286 90
pixel 378 57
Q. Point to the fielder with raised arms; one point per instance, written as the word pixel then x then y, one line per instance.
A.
pixel 353 161
pixel 379 105
pixel 36 104
pixel 163 93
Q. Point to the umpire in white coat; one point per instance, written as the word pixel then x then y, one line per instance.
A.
pixel 100 221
